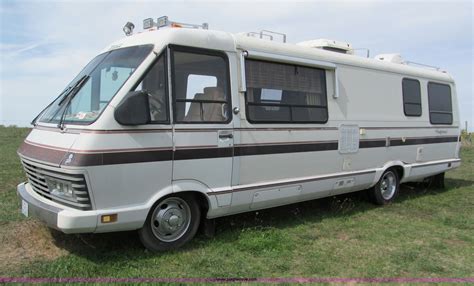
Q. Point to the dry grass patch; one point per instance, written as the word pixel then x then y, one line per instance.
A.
pixel 24 242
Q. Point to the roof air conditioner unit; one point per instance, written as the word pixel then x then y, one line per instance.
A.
pixel 329 45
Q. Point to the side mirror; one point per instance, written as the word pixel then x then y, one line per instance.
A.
pixel 133 109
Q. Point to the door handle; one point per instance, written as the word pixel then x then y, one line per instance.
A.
pixel 226 136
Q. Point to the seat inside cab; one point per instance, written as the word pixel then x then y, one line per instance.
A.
pixel 208 106
pixel 200 86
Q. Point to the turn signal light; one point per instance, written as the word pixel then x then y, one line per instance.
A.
pixel 108 218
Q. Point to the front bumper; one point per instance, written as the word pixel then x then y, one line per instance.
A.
pixel 69 220
pixel 55 216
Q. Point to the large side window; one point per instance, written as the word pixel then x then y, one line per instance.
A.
pixel 411 97
pixel 285 93
pixel 154 83
pixel 439 98
pixel 200 86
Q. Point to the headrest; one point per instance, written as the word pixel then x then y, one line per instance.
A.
pixel 212 89
pixel 199 96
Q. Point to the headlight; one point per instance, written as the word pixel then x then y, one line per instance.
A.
pixel 61 189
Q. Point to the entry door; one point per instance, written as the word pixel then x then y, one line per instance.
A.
pixel 203 132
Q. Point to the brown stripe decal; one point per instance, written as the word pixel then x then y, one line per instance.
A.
pixel 80 159
pixel 51 156
pixel 128 156
pixel 372 143
pixel 408 141
pixel 290 148
pixel 189 154
pixel 418 141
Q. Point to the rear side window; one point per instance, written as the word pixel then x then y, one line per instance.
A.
pixel 440 104
pixel 285 93
pixel 411 97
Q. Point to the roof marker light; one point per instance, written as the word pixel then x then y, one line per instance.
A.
pixel 128 28
pixel 164 21
pixel 148 23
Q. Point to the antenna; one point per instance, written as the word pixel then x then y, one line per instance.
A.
pixel 363 49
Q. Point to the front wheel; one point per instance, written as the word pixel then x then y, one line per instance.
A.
pixel 172 222
pixel 386 189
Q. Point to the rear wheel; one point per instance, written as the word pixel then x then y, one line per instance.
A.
pixel 437 181
pixel 171 223
pixel 386 189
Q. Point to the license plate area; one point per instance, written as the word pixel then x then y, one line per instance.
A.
pixel 24 208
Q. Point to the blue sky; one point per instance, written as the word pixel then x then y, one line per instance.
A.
pixel 43 44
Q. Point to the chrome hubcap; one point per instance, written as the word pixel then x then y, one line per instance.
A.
pixel 171 219
pixel 388 185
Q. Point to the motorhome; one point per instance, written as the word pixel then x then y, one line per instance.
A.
pixel 178 124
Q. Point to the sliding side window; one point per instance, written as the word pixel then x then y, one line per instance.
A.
pixel 285 93
pixel 439 98
pixel 411 97
pixel 200 86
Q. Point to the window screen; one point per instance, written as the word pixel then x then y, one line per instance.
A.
pixel 439 98
pixel 200 85
pixel 285 93
pixel 411 97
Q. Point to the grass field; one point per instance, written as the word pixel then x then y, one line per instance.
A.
pixel 426 233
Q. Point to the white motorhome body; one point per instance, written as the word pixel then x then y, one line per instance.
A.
pixel 237 124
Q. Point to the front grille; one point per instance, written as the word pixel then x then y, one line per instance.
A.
pixel 37 178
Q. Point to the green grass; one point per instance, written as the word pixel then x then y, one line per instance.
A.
pixel 11 172
pixel 426 233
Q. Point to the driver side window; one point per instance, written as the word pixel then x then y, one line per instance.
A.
pixel 154 83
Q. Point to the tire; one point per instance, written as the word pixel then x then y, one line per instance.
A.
pixel 386 189
pixel 172 222
pixel 437 182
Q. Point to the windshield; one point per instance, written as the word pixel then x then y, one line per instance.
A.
pixel 104 76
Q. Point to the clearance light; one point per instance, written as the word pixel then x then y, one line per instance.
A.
pixel 162 21
pixel 148 23
pixel 165 22
pixel 128 28
pixel 108 218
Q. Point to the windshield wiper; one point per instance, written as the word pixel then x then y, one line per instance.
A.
pixel 33 122
pixel 70 89
pixel 69 96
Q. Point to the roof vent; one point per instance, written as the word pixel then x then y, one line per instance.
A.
pixel 391 58
pixel 329 45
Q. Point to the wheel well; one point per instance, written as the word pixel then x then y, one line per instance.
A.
pixel 201 200
pixel 399 170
